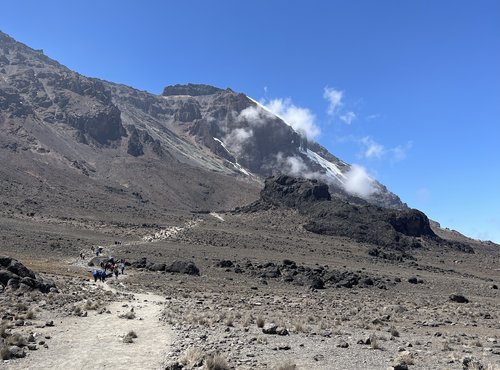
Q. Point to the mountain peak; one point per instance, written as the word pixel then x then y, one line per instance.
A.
pixel 191 90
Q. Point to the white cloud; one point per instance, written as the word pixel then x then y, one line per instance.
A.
pixel 372 148
pixel 334 98
pixel 301 119
pixel 399 153
pixel 373 116
pixel 359 182
pixel 348 117
pixel 254 115
pixel 237 138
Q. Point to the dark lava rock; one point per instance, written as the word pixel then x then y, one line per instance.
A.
pixel 156 266
pixel 183 267
pixel 190 89
pixel 317 283
pixel 413 280
pixel 274 330
pixel 14 275
pixel 293 192
pixel 17 352
pixel 400 367
pixel 140 263
pixel 174 366
pixel 458 298
pixel 470 363
pixel 396 229
pixel 96 261
pixel 224 264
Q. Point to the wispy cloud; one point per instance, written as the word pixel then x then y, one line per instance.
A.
pixel 301 119
pixel 373 116
pixel 372 148
pixel 334 98
pixel 375 150
pixel 348 117
pixel 399 153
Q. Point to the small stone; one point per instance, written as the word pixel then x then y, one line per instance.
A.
pixel 400 367
pixel 32 347
pixel 343 345
pixel 19 322
pixel 17 352
pixel 458 298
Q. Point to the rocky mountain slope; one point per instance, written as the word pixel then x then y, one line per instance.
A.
pixel 77 146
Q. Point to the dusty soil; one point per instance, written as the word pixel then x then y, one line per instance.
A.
pixel 219 311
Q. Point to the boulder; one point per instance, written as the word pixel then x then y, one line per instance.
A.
pixel 183 267
pixel 458 298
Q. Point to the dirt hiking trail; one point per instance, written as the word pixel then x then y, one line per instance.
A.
pixel 95 341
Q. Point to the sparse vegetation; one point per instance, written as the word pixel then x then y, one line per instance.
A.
pixel 30 315
pixel 287 365
pixel 16 339
pixel 192 356
pixel 260 322
pixel 4 353
pixel 216 362
pixel 394 332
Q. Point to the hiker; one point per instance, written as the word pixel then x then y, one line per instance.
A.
pixel 103 276
pixel 96 275
pixel 122 265
pixel 116 272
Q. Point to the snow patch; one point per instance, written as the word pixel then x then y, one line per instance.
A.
pixel 331 169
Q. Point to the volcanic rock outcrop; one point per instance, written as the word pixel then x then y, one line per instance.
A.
pixel 15 276
pixel 363 222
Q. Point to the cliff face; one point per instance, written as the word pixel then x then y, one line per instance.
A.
pixel 85 134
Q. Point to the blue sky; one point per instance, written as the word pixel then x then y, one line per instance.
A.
pixel 415 85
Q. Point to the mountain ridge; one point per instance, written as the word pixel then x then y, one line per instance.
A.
pixel 102 130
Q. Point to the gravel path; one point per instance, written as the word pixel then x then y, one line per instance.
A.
pixel 95 342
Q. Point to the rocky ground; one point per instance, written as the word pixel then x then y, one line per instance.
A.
pixel 268 294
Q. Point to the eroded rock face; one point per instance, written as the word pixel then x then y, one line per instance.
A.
pixel 394 229
pixel 34 85
pixel 293 192
pixel 411 223
pixel 190 89
pixel 14 275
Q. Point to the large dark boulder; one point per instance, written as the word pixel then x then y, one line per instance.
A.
pixel 19 269
pixel 183 267
pixel 411 222
pixel 14 275
pixel 289 191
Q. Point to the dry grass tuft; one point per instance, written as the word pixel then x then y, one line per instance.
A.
pixel 4 353
pixel 192 356
pixel 287 365
pixel 216 362
pixel 260 322
pixel 17 339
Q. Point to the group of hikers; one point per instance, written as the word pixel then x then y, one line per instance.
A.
pixel 110 264
pixel 114 267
